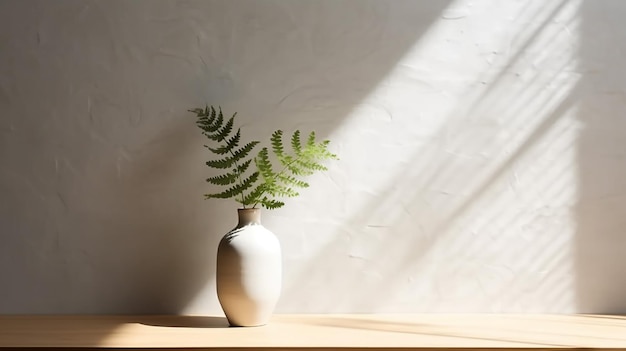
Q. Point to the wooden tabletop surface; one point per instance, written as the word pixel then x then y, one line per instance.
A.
pixel 289 332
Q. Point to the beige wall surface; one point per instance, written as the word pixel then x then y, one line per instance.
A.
pixel 482 145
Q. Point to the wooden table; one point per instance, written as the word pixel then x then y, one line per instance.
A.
pixel 315 332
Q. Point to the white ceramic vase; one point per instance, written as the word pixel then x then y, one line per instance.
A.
pixel 249 271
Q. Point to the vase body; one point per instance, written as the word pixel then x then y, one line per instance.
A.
pixel 249 271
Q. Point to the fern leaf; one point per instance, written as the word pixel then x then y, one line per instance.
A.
pixel 221 164
pixel 297 170
pixel 271 204
pixel 217 120
pixel 248 182
pixel 307 164
pixel 230 144
pixel 277 189
pixel 244 151
pixel 235 158
pixel 286 179
pixel 205 119
pixel 225 179
pixel 311 140
pixel 324 153
pixel 277 144
pixel 228 127
pixel 253 197
pixel 212 119
pixel 232 160
pixel 303 159
pixel 214 137
pixel 241 169
pixel 210 123
pixel 222 131
pixel 264 165
pixel 283 191
pixel 232 192
pixel 296 143
pixel 235 190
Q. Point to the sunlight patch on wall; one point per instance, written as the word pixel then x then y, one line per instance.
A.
pixel 459 174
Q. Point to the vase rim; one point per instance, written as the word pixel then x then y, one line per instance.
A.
pixel 248 216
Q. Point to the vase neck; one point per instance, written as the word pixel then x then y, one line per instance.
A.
pixel 249 216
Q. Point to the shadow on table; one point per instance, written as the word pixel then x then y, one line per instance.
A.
pixel 437 330
pixel 184 321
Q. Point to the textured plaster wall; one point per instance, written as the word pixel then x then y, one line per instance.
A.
pixel 482 152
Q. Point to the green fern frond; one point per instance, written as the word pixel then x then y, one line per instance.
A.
pixel 264 165
pixel 204 122
pixel 310 143
pixel 221 164
pixel 216 122
pixel 212 121
pixel 310 165
pixel 253 196
pixel 289 180
pixel 224 179
pixel 271 204
pixel 295 142
pixel 208 122
pixel 277 144
pixel 267 183
pixel 280 190
pixel 242 168
pixel 230 144
pixel 228 127
pixel 298 170
pixel 235 190
pixel 244 151
pixel 222 131
pixel 235 156
pixel 303 161
pixel 276 190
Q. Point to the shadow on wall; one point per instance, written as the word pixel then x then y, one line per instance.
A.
pixel 103 171
pixel 601 237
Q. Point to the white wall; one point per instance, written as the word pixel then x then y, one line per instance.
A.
pixel 482 149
